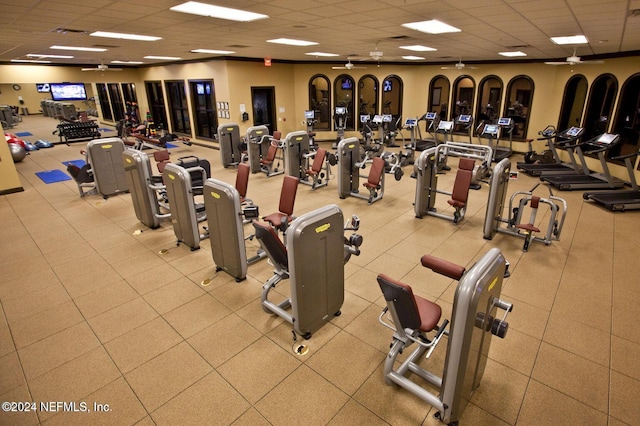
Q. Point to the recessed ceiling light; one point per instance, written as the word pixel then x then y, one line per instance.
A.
pixel 32 61
pixel 202 9
pixel 83 49
pixel 418 48
pixel 164 58
pixel 213 51
pixel 413 58
pixel 512 54
pixel 125 36
pixel 432 27
pixel 127 62
pixel 35 55
pixel 577 39
pixel 321 54
pixel 292 42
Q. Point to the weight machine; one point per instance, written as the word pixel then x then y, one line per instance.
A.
pixel 230 144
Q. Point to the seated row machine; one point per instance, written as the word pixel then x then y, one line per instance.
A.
pixel 103 172
pixel 297 153
pixel 473 322
pixel 349 172
pixel 313 259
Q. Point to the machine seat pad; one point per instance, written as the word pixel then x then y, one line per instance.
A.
pixel 443 267
pixel 414 312
pixel 528 227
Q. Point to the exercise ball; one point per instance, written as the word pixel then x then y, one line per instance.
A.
pixel 17 152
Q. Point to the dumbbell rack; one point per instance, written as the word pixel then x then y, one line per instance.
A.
pixel 81 130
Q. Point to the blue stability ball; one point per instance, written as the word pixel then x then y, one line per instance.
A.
pixel 17 152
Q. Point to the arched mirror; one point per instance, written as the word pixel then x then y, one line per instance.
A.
pixel 627 123
pixel 464 88
pixel 575 95
pixel 367 96
pixel 320 101
pixel 602 95
pixel 489 99
pixel 518 104
pixel 392 96
pixel 439 89
pixel 344 88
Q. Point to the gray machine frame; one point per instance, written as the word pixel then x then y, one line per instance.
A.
pixel 315 253
pixel 494 221
pixel 226 229
pixel 473 322
pixel 229 141
pixel 105 158
pixel 298 152
pixel 144 191
pixel 186 214
pixel 258 140
pixel 349 166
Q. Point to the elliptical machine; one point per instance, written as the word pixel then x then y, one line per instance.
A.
pixel 340 120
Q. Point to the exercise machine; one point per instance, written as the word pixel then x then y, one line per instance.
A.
pixel 313 260
pixel 431 120
pixel 427 186
pixel 507 126
pixel 297 156
pixel 186 213
pixel 148 203
pixel 620 200
pixel 474 321
pixel 105 159
pixel 270 164
pixel 513 224
pixel 565 139
pixel 481 153
pixel 340 122
pixel 464 124
pixel 491 132
pixel 549 155
pixel 226 215
pixel 310 121
pixel 230 144
pixel 598 145
pixel 349 166
pixel 258 140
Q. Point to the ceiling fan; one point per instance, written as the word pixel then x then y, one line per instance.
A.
pixel 459 66
pixel 102 68
pixel 348 66
pixel 574 60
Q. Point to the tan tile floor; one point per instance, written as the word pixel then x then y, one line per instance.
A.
pixel 91 312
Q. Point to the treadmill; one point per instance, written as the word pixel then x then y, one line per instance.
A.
pixel 620 200
pixel 566 139
pixel 599 145
pixel 431 118
pixel 491 132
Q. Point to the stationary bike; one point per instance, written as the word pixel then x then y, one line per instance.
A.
pixel 546 156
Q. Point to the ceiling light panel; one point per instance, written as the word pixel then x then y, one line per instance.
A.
pixel 576 39
pixel 413 58
pixel 213 51
pixel 203 9
pixel 125 36
pixel 418 48
pixel 512 54
pixel 79 48
pixel 292 42
pixel 432 26
pixel 322 54
pixel 163 58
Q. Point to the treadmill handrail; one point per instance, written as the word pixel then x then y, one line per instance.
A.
pixel 623 157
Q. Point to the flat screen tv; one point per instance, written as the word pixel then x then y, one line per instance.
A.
pixel 347 84
pixel 68 91
pixel 43 87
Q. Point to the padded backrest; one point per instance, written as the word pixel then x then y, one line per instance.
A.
pixel 271 153
pixel 466 164
pixel 461 186
pixel 443 267
pixel 535 201
pixel 242 179
pixel 377 168
pixel 277 135
pixel 288 194
pixel 318 161
pixel 271 243
pixel 162 155
pixel 401 296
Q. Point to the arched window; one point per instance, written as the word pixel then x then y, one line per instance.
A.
pixel 518 104
pixel 368 96
pixel 344 88
pixel 320 101
pixel 627 122
pixel 575 95
pixel 464 88
pixel 602 95
pixel 392 96
pixel 489 99
pixel 439 89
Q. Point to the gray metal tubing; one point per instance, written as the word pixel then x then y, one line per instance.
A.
pixel 417 390
pixel 257 146
pixel 497 197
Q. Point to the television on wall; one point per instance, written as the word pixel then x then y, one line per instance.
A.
pixel 43 87
pixel 68 91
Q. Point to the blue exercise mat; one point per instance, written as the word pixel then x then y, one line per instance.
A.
pixel 104 129
pixel 170 145
pixel 53 176
pixel 79 163
pixel 22 134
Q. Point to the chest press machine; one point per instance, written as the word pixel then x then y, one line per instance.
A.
pixel 474 321
pixel 258 140
pixel 349 165
pixel 313 260
pixel 230 144
pixel 103 174
pixel 298 153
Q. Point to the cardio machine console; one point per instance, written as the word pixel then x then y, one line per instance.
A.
pixel 491 130
pixel 410 122
pixel 445 126
pixel 364 118
pixel 377 119
pixel 504 121
pixel 341 110
pixel 606 139
pixel 430 116
pixel 571 132
pixel 464 119
pixel 387 118
pixel 309 114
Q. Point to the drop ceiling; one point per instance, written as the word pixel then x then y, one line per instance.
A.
pixel 351 29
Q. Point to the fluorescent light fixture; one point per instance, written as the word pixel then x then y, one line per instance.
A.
pixel 203 9
pixel 576 39
pixel 165 58
pixel 413 58
pixel 292 42
pixel 418 48
pixel 432 27
pixel 124 36
pixel 31 61
pixel 83 49
pixel 512 54
pixel 213 51
pixel 321 54
pixel 35 55
pixel 127 62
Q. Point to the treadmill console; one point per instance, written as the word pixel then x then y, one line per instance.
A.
pixel 607 139
pixel 491 130
pixel 341 110
pixel 504 121
pixel 430 116
pixel 309 114
pixel 410 122
pixel 364 118
pixel 464 119
pixel 377 118
pixel 445 126
pixel 387 118
pixel 571 133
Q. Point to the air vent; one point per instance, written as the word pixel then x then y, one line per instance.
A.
pixel 237 46
pixel 519 46
pixel 69 30
pixel 399 37
pixel 105 46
